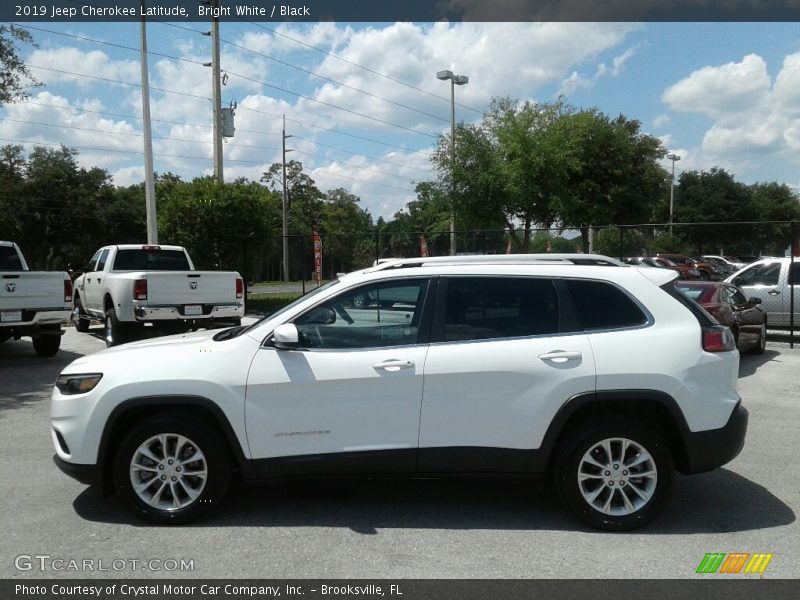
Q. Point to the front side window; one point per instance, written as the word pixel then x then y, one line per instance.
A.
pixel 93 262
pixel 480 308
pixel 101 263
pixel 766 274
pixel 373 316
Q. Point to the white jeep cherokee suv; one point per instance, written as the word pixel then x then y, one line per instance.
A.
pixel 577 367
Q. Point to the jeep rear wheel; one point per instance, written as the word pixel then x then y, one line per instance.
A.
pixel 172 470
pixel 615 473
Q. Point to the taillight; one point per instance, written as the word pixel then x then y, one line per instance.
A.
pixel 239 288
pixel 151 248
pixel 140 289
pixel 67 291
pixel 718 338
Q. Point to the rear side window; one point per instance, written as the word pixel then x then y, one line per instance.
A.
pixel 479 308
pixel 601 305
pixel 9 260
pixel 151 260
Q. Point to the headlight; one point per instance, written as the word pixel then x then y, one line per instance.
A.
pixel 77 384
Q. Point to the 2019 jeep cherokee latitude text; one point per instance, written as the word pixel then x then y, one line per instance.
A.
pixel 596 374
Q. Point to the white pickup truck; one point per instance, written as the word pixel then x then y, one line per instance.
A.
pixel 129 285
pixel 33 303
pixel 774 280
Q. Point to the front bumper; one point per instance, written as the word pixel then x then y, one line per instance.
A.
pixel 85 474
pixel 174 313
pixel 707 450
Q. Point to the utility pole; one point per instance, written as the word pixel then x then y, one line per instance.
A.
pixel 285 208
pixel 149 184
pixel 217 92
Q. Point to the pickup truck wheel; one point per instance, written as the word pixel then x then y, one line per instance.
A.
pixel 80 317
pixel 171 470
pixel 46 345
pixel 116 332
pixel 614 473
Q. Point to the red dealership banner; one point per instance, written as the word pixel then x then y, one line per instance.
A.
pixel 423 247
pixel 317 258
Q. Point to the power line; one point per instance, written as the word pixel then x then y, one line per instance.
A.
pixel 355 64
pixel 166 91
pixel 255 162
pixel 245 77
pixel 133 134
pixel 337 148
pixel 345 85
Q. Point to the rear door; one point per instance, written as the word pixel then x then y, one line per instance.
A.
pixel 504 357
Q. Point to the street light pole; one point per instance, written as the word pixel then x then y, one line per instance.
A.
pixel 674 158
pixel 454 81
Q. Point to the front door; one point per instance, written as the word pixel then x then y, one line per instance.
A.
pixel 764 281
pixel 349 399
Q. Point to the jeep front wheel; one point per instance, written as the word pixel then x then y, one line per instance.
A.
pixel 171 470
pixel 614 473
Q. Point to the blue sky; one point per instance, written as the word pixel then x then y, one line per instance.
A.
pixel 717 94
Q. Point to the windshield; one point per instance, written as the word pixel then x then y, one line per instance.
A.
pixel 237 331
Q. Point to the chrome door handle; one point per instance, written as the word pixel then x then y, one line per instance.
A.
pixel 774 292
pixel 561 356
pixel 393 365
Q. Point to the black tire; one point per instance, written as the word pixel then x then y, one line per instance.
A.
pixel 116 332
pixel 588 435
pixel 81 319
pixel 47 344
pixel 761 346
pixel 200 437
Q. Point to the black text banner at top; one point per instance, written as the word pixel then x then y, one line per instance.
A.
pixel 407 10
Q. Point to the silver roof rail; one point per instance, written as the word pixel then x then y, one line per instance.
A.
pixel 499 259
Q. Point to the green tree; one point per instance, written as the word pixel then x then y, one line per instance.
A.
pixel 346 229
pixel 15 77
pixel 613 175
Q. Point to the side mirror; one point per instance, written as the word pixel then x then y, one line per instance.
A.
pixel 754 301
pixel 286 337
pixel 737 281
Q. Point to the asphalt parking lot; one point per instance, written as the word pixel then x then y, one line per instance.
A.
pixel 400 529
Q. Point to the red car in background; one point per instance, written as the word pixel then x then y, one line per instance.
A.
pixel 705 269
pixel 686 270
pixel 728 305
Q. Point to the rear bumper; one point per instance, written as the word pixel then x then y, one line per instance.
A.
pixel 707 450
pixel 35 320
pixel 174 313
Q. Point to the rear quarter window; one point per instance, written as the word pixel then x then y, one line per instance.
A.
pixel 600 305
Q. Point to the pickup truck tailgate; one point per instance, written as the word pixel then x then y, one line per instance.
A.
pixel 31 290
pixel 190 287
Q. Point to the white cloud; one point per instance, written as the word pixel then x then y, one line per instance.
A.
pixel 661 121
pixel 754 119
pixel 95 63
pixel 576 81
pixel 720 91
